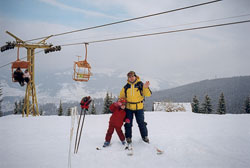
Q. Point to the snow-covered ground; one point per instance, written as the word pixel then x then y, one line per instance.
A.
pixel 188 140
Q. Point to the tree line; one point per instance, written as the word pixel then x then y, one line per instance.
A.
pixel 206 106
pixel 108 100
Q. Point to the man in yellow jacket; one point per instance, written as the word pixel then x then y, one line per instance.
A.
pixel 134 92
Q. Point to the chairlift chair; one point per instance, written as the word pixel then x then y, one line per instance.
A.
pixel 18 64
pixel 82 69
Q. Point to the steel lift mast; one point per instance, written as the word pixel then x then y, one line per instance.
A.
pixel 30 100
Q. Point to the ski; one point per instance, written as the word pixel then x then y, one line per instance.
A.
pixel 102 147
pixel 157 150
pixel 129 149
pixel 97 148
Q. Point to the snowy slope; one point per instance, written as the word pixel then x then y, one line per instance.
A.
pixel 188 140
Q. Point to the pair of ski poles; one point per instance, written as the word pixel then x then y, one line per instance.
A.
pixel 78 135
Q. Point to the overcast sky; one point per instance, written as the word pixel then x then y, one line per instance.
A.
pixel 177 57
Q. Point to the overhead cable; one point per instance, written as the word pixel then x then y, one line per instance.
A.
pixel 156 28
pixel 22 58
pixel 127 20
pixel 159 33
pixel 149 34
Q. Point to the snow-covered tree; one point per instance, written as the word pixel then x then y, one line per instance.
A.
pixel 173 107
pixel 247 105
pixel 221 105
pixel 60 109
pixel 195 105
pixel 206 106
pixel 93 109
pixel 18 107
pixel 107 103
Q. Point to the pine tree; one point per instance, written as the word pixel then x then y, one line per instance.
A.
pixel 93 109
pixel 222 105
pixel 69 112
pixel 1 113
pixel 107 103
pixel 206 106
pixel 20 107
pixel 41 111
pixel 247 105
pixel 195 105
pixel 16 109
pixel 60 109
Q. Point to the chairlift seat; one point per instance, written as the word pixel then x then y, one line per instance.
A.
pixel 82 71
pixel 19 64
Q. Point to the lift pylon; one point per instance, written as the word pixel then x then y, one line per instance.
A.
pixel 30 100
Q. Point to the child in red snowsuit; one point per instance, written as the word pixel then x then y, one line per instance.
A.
pixel 116 121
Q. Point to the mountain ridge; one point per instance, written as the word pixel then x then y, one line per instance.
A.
pixel 59 86
pixel 235 90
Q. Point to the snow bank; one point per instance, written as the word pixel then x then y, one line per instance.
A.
pixel 188 140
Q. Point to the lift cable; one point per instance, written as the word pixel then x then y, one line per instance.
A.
pixel 163 27
pixel 149 34
pixel 127 20
pixel 158 33
pixel 22 58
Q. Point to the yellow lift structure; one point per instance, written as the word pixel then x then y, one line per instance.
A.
pixel 30 100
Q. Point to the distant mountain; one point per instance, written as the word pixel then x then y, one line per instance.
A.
pixel 235 90
pixel 53 87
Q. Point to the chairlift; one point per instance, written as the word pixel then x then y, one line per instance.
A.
pixel 82 69
pixel 19 64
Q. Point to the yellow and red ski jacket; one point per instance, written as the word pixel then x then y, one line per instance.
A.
pixel 134 94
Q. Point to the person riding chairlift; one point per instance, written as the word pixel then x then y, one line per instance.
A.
pixel 18 76
pixel 26 76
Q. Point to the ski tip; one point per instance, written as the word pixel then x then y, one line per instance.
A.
pixel 159 152
pixel 98 148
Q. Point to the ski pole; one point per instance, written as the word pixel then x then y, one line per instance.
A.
pixel 77 130
pixel 81 130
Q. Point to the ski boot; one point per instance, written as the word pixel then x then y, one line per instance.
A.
pixel 106 144
pixel 129 141
pixel 145 139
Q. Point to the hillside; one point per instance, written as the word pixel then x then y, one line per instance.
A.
pixel 188 140
pixel 53 87
pixel 235 90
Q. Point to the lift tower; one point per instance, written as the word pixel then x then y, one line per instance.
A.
pixel 30 100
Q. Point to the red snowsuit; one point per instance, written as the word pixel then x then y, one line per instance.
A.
pixel 115 122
